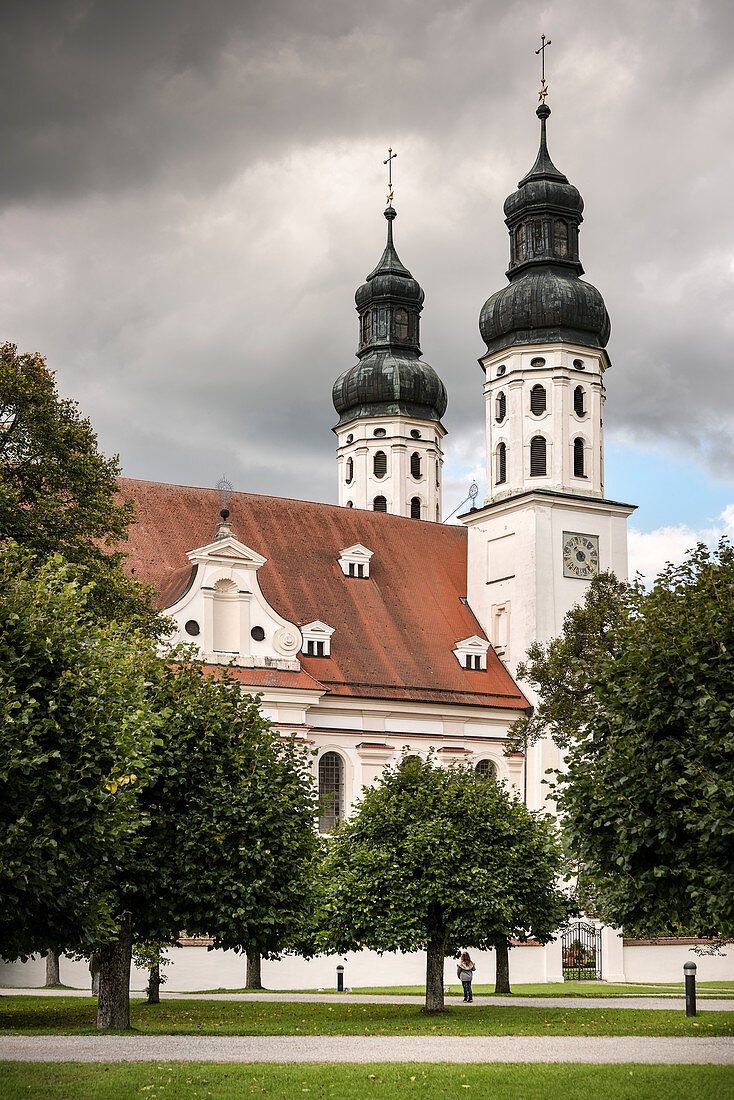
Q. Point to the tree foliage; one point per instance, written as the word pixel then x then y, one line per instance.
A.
pixel 646 711
pixel 58 493
pixel 439 859
pixel 77 728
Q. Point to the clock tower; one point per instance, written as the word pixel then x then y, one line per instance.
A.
pixel 546 527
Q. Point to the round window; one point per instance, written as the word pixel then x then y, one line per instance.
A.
pixel 350 439
pixel 257 633
pixel 379 432
pixel 579 364
pixel 501 370
pixel 192 627
pixel 415 433
pixel 539 361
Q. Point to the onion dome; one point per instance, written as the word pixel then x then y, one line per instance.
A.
pixel 389 378
pixel 545 301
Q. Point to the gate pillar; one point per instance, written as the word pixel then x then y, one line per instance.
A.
pixel 554 961
pixel 612 955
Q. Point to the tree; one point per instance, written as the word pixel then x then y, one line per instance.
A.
pixel 439 859
pixel 229 836
pixel 645 713
pixel 58 493
pixel 76 733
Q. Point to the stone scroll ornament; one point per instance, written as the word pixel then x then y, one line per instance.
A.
pixel 287 641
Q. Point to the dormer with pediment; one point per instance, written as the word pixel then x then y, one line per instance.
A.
pixel 224 613
pixel 355 561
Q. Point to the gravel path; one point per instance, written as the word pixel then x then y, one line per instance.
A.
pixel 655 1001
pixel 343 1048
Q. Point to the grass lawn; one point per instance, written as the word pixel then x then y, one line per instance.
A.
pixel 229 1081
pixel 77 1015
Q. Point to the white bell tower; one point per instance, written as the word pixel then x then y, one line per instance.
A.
pixel 546 527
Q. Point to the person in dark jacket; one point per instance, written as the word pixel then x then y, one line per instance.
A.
pixel 465 970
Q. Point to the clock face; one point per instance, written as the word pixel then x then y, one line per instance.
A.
pixel 580 555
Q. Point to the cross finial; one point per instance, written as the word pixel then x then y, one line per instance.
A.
pixel 543 86
pixel 390 158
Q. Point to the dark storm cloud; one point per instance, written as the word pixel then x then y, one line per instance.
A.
pixel 192 191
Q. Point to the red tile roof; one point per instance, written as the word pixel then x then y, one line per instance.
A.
pixel 394 633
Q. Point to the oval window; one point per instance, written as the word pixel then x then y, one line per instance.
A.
pixel 257 633
pixel 192 627
pixel 539 361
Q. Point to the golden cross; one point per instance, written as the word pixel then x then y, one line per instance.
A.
pixel 543 86
pixel 390 158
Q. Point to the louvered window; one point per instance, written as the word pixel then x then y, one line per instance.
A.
pixel 501 407
pixel 379 504
pixel 331 790
pixel 415 508
pixel 379 464
pixel 415 465
pixel 578 458
pixel 537 456
pixel 537 400
pixel 350 470
pixel 578 401
pixel 501 464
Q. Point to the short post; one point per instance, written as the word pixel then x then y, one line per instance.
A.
pixel 689 970
pixel 340 979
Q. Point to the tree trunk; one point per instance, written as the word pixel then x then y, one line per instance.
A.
pixel 52 970
pixel 434 974
pixel 113 1006
pixel 502 977
pixel 94 971
pixel 254 971
pixel 154 984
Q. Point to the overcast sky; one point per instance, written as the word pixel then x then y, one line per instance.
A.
pixel 192 190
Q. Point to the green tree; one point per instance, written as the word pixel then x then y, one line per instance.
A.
pixel 439 859
pixel 76 733
pixel 58 493
pixel 229 840
pixel 644 707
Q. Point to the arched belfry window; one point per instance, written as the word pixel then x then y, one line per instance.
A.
pixel 366 327
pixel 521 248
pixel 350 470
pixel 415 465
pixel 331 790
pixel 500 407
pixel 578 458
pixel 537 400
pixel 401 324
pixel 578 401
pixel 415 508
pixel 538 462
pixel 379 504
pixel 226 618
pixel 379 464
pixel 501 474
pixel 560 238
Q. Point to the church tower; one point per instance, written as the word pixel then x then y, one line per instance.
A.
pixel 546 527
pixel 390 403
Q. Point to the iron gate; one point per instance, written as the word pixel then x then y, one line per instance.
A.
pixel 581 946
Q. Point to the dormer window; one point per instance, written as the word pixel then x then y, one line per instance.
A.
pixel 471 653
pixel 355 561
pixel 317 639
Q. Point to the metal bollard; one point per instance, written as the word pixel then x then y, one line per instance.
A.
pixel 340 979
pixel 689 971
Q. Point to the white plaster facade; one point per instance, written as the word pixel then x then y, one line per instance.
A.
pixel 399 438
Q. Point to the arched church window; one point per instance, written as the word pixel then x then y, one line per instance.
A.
pixel 537 400
pixel 578 401
pixel 379 504
pixel 401 324
pixel 538 241
pixel 366 327
pixel 415 465
pixel 486 768
pixel 350 470
pixel 226 618
pixel 382 323
pixel 560 238
pixel 537 456
pixel 415 508
pixel 500 407
pixel 501 464
pixel 578 458
pixel 521 248
pixel 331 790
pixel 379 464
